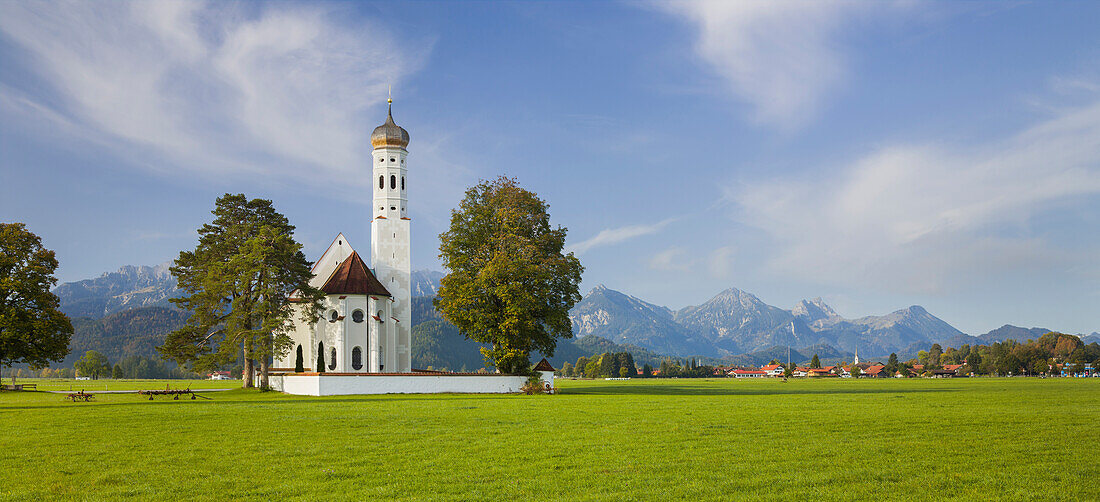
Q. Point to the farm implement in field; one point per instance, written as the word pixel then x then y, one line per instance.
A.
pixel 81 397
pixel 175 393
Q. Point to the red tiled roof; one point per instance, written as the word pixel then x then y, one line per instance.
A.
pixel 771 367
pixel 354 278
pixel 952 367
pixel 874 370
pixel 747 372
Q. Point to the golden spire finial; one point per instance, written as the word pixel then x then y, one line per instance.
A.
pixel 390 99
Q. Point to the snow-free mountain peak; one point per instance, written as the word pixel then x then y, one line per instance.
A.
pixel 813 310
pixel 129 287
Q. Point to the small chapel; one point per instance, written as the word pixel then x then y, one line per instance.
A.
pixel 366 323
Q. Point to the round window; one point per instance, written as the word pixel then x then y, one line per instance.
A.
pixel 333 316
pixel 357 316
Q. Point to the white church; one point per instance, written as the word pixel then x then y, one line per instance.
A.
pixel 366 325
pixel 362 342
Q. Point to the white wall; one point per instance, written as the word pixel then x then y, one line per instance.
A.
pixel 335 385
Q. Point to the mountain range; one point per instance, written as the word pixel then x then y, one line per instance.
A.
pixel 144 286
pixel 127 312
pixel 129 287
pixel 735 325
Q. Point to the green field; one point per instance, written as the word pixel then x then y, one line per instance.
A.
pixel 977 439
pixel 108 384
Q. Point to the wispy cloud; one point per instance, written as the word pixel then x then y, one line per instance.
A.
pixel 781 57
pixel 925 217
pixel 611 236
pixel 216 89
pixel 717 263
pixel 671 259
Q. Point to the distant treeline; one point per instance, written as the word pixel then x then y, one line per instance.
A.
pixel 606 365
pixel 621 364
pixel 1034 357
pixel 96 366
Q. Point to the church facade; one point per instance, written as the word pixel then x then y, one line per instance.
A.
pixel 367 319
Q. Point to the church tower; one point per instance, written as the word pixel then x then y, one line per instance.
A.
pixel 390 246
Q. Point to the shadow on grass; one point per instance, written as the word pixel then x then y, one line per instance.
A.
pixel 671 390
pixel 249 397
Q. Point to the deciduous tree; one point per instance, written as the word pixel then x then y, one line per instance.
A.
pixel 93 365
pixel 510 284
pixel 32 329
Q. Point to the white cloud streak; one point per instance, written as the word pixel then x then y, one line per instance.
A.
pixel 611 236
pixel 922 218
pixel 781 57
pixel 214 89
pixel 671 259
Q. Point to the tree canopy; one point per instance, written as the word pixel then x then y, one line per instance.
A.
pixel 238 284
pixel 93 365
pixel 510 286
pixel 32 329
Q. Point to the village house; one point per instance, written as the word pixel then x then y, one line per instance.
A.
pixel 773 370
pixel 740 373
pixel 219 375
pixel 875 371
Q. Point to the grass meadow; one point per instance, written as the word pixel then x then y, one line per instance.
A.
pixel 963 439
pixel 72 385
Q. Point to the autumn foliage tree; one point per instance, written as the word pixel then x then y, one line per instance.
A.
pixel 510 285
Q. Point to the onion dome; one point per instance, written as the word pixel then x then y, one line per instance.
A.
pixel 389 134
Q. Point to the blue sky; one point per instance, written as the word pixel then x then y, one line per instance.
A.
pixel 875 154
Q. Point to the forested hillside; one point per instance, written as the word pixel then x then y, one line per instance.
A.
pixel 134 332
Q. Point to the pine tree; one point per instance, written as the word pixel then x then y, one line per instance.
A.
pixel 243 283
pixel 815 362
pixel 607 365
pixel 629 364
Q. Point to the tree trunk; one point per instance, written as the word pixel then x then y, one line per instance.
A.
pixel 265 367
pixel 246 376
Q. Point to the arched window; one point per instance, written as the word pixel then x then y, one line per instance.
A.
pixel 320 356
pixel 381 182
pixel 402 183
pixel 357 358
pixel 393 182
pixel 381 358
pixel 357 316
pixel 380 318
pixel 332 358
pixel 333 316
